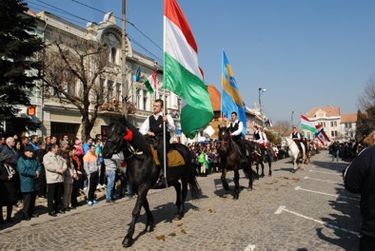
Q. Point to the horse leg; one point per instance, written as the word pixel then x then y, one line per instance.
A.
pixel 223 179
pixel 177 187
pixel 150 219
pixel 236 184
pixel 269 166
pixel 262 164
pixel 257 164
pixel 247 171
pixel 128 239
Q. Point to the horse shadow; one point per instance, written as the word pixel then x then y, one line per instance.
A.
pixel 221 192
pixel 166 213
pixel 348 217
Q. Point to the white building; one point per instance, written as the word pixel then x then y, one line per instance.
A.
pixel 336 125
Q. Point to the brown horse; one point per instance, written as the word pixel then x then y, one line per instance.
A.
pixel 231 159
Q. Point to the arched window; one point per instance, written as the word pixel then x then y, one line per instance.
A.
pixel 113 54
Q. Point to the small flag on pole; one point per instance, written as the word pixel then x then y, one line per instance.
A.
pixel 137 75
pixel 151 83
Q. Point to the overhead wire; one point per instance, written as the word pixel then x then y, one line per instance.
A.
pixel 129 22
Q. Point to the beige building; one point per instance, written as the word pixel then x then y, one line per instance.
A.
pixel 59 117
pixel 336 125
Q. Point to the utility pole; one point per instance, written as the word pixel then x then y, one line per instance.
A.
pixel 125 91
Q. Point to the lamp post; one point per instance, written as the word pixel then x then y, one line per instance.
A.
pixel 292 118
pixel 260 90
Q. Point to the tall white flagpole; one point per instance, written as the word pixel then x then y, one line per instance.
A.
pixel 165 112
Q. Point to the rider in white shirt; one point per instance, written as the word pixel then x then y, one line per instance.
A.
pixel 153 128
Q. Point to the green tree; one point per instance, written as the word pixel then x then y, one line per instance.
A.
pixel 18 67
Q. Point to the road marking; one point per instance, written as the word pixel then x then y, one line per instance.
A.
pixel 314 171
pixel 332 195
pixel 326 181
pixel 250 247
pixel 283 209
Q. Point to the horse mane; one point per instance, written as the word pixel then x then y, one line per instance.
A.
pixel 139 140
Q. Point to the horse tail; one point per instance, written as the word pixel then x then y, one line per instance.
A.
pixel 189 172
pixel 194 188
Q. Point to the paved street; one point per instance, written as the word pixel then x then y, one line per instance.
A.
pixel 308 210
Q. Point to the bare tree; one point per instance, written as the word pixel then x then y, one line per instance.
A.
pixel 74 72
pixel 367 99
pixel 283 128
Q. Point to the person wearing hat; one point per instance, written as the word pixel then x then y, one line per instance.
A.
pixel 29 170
pixel 8 186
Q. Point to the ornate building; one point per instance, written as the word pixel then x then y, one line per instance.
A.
pixel 58 117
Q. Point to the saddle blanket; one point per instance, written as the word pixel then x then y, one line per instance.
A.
pixel 174 158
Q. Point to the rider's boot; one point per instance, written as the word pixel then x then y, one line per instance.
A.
pixel 161 181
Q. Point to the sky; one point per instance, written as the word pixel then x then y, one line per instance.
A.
pixel 306 53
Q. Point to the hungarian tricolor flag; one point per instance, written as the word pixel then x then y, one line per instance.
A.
pixel 151 83
pixel 307 124
pixel 182 74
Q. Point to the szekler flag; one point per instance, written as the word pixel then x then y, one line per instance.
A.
pixel 231 100
pixel 137 75
pixel 307 124
pixel 151 83
pixel 182 74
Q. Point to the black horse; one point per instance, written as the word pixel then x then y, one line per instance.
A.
pixel 231 159
pixel 263 153
pixel 143 173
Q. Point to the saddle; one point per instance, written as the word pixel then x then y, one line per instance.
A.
pixel 174 157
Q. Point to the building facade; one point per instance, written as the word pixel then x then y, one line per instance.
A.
pixel 336 125
pixel 59 117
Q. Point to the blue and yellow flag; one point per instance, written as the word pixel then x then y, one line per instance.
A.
pixel 231 100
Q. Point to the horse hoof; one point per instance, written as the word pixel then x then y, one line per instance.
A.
pixel 262 175
pixel 151 228
pixel 127 242
pixel 270 174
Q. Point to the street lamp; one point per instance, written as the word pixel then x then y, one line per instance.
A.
pixel 292 118
pixel 260 90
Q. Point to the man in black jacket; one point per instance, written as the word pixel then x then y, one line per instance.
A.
pixel 359 177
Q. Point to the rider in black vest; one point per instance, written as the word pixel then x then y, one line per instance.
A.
pixel 235 127
pixel 296 136
pixel 152 127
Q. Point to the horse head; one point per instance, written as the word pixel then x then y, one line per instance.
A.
pixel 122 134
pixel 224 139
pixel 115 134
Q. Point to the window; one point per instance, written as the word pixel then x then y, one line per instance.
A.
pixel 138 95
pixel 331 123
pixel 332 134
pixel 145 100
pixel 118 91
pixel 109 91
pixel 71 88
pixel 113 55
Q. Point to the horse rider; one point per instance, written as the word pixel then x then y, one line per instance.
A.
pixel 235 128
pixel 296 137
pixel 152 127
pixel 261 138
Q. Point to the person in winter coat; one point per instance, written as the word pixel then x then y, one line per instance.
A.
pixel 359 177
pixel 8 186
pixel 29 170
pixel 55 167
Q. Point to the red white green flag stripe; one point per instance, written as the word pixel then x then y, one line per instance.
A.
pixel 182 74
pixel 151 83
pixel 307 124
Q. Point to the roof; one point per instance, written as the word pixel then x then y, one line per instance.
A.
pixel 349 118
pixel 215 97
pixel 329 110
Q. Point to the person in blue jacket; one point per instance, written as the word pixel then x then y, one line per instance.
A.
pixel 29 170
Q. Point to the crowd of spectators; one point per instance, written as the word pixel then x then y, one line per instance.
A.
pixel 61 171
